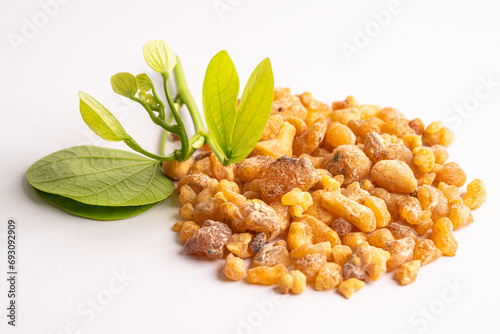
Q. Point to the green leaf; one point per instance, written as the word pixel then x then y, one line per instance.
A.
pixel 124 84
pixel 144 96
pixel 100 120
pixel 220 95
pixel 94 211
pixel 144 82
pixel 101 176
pixel 198 143
pixel 236 130
pixel 253 112
pixel 159 56
pixel 149 99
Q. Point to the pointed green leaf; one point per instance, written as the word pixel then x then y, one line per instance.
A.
pixel 144 82
pixel 159 56
pixel 220 95
pixel 94 211
pixel 124 84
pixel 235 131
pixel 253 112
pixel 101 176
pixel 100 120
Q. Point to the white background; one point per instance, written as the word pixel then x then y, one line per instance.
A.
pixel 430 56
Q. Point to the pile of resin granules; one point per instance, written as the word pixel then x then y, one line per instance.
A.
pixel 332 195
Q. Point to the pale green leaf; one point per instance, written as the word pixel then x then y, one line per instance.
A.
pixel 124 84
pixel 144 96
pixel 100 120
pixel 159 56
pixel 101 176
pixel 220 95
pixel 236 130
pixel 144 82
pixel 94 211
pixel 253 112
pixel 149 99
pixel 199 143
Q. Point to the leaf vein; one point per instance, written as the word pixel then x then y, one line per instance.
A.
pixel 92 173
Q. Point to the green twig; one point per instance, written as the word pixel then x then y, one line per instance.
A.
pixel 182 134
pixel 219 155
pixel 136 147
pixel 161 111
pixel 163 142
pixel 184 95
pixel 155 119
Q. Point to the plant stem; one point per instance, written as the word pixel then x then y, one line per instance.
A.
pixel 165 133
pixel 136 147
pixel 219 155
pixel 156 120
pixel 163 142
pixel 161 112
pixel 188 146
pixel 182 134
pixel 186 98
